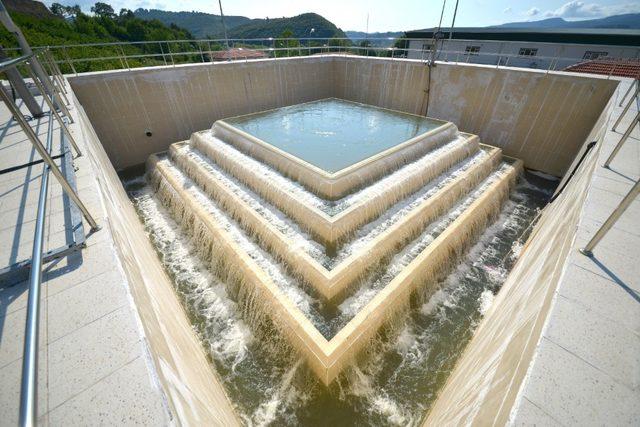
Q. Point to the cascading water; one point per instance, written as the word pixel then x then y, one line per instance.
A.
pixel 206 186
pixel 396 385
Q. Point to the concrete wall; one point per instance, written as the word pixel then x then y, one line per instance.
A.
pixel 173 102
pixel 193 390
pixel 542 118
pixel 485 383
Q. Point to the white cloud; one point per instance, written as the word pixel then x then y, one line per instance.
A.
pixel 507 10
pixel 577 9
pixel 533 11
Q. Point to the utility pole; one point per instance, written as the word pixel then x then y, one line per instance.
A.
pixel 453 23
pixel 224 27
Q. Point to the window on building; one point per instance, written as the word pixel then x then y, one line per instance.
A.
pixel 472 50
pixel 528 51
pixel 426 47
pixel 592 54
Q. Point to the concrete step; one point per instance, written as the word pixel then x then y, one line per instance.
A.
pixel 309 211
pixel 332 283
pixel 327 358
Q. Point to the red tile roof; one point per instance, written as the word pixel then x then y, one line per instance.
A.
pixel 613 67
pixel 236 53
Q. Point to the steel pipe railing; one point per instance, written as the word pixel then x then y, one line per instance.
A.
pixel 624 138
pixel 29 385
pixel 615 215
pixel 305 46
pixel 626 107
pixel 636 82
pixel 48 160
pixel 29 382
pixel 63 125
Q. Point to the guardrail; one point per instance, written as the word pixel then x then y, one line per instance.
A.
pixel 51 91
pixel 635 190
pixel 75 58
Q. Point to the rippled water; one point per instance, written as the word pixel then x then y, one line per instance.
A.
pixel 408 364
pixel 333 134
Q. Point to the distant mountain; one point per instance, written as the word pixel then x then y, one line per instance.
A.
pixel 389 36
pixel 203 25
pixel 301 26
pixel 625 21
pixel 200 24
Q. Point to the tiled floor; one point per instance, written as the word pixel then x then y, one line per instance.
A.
pixel 93 357
pixel 586 370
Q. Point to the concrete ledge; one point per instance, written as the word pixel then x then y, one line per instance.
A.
pixel 333 283
pixel 333 186
pixel 193 390
pixel 326 228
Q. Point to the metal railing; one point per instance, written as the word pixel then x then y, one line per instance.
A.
pixel 635 190
pixel 76 58
pixel 51 92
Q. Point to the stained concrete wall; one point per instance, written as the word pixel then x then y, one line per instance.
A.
pixel 193 390
pixel 485 383
pixel 173 102
pixel 542 118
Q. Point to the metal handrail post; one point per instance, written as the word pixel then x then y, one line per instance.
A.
pixel 626 108
pixel 602 231
pixel 55 75
pixel 35 64
pixel 634 122
pixel 53 62
pixel 7 21
pixel 635 82
pixel 55 113
pixel 54 82
pixel 18 84
pixel 48 160
pixel 69 61
pixel 29 386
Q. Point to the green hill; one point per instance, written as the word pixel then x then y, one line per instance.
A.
pixel 200 24
pixel 205 25
pixel 300 26
pixel 70 26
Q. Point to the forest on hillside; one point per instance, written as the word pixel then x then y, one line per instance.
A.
pixel 69 26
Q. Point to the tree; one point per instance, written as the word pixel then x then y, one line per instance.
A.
pixel 366 50
pixel 288 42
pixel 400 47
pixel 103 10
pixel 58 9
pixel 336 44
pixel 65 12
pixel 126 13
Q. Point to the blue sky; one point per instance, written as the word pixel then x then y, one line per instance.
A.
pixel 393 15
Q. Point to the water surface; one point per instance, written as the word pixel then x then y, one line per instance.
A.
pixel 333 134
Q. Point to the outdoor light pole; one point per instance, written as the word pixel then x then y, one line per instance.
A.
pixel 224 27
pixel 453 23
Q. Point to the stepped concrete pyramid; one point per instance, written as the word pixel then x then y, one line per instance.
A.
pixel 242 198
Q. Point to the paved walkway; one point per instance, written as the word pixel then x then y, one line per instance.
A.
pixel 586 370
pixel 94 366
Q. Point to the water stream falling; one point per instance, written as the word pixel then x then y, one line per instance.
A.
pixel 394 385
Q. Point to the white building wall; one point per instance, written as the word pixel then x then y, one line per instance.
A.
pixel 507 52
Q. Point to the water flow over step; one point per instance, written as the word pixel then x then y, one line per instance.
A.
pixel 305 303
pixel 396 386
